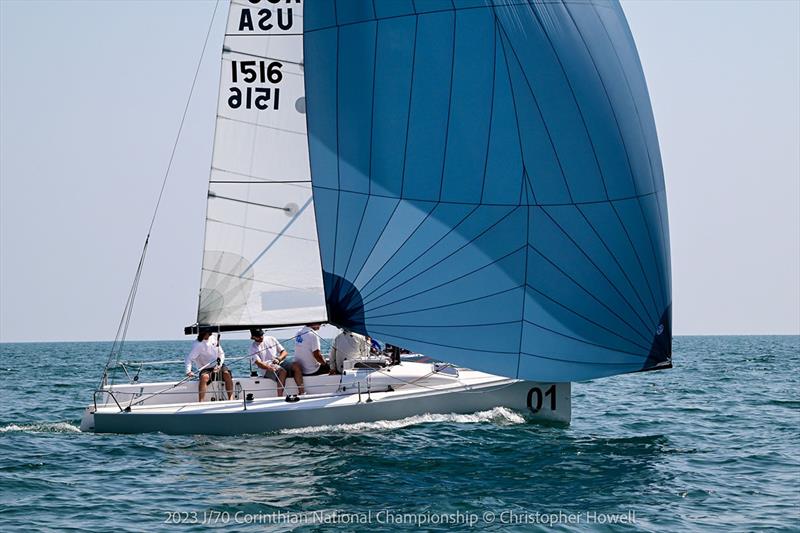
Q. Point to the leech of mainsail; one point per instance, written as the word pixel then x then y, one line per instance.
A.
pixel 488 184
pixel 261 261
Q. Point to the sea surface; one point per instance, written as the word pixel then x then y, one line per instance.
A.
pixel 711 445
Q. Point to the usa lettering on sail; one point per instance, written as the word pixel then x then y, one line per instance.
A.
pixel 269 17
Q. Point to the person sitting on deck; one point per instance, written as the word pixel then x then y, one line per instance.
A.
pixel 347 345
pixel 307 351
pixel 209 357
pixel 268 353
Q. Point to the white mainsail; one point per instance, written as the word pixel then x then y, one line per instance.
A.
pixel 261 263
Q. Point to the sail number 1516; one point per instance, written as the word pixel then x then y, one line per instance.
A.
pixel 255 72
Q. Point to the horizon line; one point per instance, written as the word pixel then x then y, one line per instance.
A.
pixel 189 337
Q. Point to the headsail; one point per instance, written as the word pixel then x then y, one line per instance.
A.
pixel 488 183
pixel 261 262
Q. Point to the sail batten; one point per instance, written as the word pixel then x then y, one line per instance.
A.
pixel 261 263
pixel 488 186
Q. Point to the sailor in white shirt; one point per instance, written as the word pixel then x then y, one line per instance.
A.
pixel 268 353
pixel 347 345
pixel 307 351
pixel 207 354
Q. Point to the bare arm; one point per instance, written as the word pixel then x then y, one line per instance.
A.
pixel 261 364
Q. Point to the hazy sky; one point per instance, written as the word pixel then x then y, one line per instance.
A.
pixel 91 95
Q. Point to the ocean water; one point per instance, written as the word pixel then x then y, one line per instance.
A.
pixel 711 445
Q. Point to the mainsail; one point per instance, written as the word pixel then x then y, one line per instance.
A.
pixel 261 263
pixel 488 183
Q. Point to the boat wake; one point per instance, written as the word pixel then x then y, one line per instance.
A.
pixel 58 427
pixel 498 415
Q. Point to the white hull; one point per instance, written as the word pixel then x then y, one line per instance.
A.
pixel 405 390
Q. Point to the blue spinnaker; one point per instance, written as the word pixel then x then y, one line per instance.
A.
pixel 488 185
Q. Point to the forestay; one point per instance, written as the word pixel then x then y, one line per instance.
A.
pixel 261 262
pixel 488 183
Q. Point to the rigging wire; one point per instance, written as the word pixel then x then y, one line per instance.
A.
pixel 122 329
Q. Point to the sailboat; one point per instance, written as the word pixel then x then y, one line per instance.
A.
pixel 478 181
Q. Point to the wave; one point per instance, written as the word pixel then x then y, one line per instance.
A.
pixel 498 415
pixel 791 404
pixel 58 427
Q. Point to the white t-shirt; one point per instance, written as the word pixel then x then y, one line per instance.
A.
pixel 348 345
pixel 306 342
pixel 266 350
pixel 204 354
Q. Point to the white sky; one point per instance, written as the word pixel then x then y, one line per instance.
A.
pixel 91 94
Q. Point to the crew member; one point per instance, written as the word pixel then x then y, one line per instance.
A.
pixel 307 350
pixel 268 353
pixel 209 357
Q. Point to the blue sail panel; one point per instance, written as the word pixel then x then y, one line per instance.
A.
pixel 469 116
pixel 320 101
pixel 608 273
pixel 504 171
pixel 395 8
pixel 426 143
pixel 434 222
pixel 354 100
pixel 488 184
pixel 560 273
pixel 490 224
pixel 431 289
pixel 393 72
pixel 541 77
